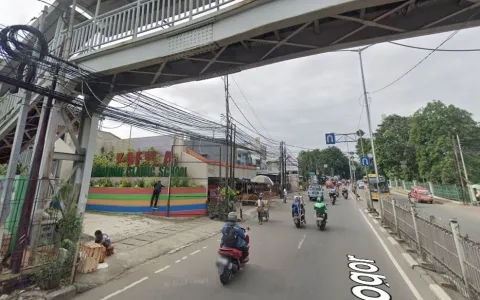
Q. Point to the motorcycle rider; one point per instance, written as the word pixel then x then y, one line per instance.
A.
pixel 333 191
pixel 320 208
pixel 297 207
pixel 344 191
pixel 233 235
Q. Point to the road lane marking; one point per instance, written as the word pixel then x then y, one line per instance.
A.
pixel 194 252
pixel 301 241
pixel 177 261
pixel 205 247
pixel 394 261
pixel 124 289
pixel 162 269
pixel 185 257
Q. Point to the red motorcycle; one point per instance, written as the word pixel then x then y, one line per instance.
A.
pixel 230 260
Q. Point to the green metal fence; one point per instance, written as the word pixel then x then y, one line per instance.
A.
pixel 451 192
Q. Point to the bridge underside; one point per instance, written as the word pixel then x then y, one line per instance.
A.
pixel 387 22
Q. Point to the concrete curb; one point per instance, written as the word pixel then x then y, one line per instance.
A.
pixel 65 293
pixel 436 289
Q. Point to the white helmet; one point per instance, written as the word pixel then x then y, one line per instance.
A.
pixel 232 216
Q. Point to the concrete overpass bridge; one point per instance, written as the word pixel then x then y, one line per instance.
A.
pixel 135 45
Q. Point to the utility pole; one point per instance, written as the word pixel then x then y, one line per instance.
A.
pixel 463 161
pixel 285 165
pixel 234 153
pixel 227 134
pixel 459 169
pixel 280 165
pixel 367 109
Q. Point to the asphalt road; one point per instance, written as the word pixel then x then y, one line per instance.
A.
pixel 468 217
pixel 286 263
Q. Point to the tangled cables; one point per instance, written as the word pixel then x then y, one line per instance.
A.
pixel 24 51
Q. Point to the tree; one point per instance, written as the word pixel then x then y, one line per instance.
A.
pixel 432 129
pixel 395 157
pixel 310 161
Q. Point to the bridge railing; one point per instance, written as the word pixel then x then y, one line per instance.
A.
pixel 130 21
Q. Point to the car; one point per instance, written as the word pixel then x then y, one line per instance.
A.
pixel 360 185
pixel 420 194
pixel 314 191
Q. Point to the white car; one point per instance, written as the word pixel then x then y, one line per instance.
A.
pixel 360 185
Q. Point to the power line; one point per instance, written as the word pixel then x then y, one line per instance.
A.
pixel 427 56
pixel 246 100
pixel 431 49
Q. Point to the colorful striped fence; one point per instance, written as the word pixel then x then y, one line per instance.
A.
pixel 183 201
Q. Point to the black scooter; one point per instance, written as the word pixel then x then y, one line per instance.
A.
pixel 345 194
pixel 333 198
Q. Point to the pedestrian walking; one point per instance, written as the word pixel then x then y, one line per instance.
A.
pixel 157 190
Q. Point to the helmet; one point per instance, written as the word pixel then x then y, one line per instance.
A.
pixel 320 199
pixel 296 198
pixel 232 216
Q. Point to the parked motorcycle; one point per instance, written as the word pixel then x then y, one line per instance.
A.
pixel 230 260
pixel 321 221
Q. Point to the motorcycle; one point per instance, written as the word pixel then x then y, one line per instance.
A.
pixel 345 194
pixel 299 220
pixel 333 198
pixel 230 260
pixel 321 221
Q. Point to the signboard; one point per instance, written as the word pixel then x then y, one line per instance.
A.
pixel 330 138
pixel 135 158
pixel 364 161
pixel 141 171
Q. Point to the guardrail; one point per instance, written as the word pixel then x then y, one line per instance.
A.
pixel 450 253
pixel 131 20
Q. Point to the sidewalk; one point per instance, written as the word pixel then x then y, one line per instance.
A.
pixel 138 239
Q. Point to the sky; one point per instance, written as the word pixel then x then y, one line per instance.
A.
pixel 300 100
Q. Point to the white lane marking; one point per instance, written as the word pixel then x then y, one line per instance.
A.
pixel 394 261
pixel 383 229
pixel 301 241
pixel 439 292
pixel 124 289
pixel 205 247
pixel 376 222
pixel 392 240
pixel 162 269
pixel 177 261
pixel 194 252
pixel 185 257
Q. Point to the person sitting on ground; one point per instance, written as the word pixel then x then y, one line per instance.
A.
pixel 104 239
pixel 233 235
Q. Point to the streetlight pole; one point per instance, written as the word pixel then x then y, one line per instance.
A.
pixel 370 131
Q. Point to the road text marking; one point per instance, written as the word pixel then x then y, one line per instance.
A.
pixel 394 261
pixel 301 241
pixel 162 269
pixel 124 289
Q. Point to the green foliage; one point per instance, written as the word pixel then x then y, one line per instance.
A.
pixel 432 129
pixel 421 147
pixel 309 161
pixel 395 156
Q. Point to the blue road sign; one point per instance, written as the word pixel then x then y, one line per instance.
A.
pixel 365 161
pixel 330 138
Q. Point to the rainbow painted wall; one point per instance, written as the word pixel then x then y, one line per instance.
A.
pixel 183 201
